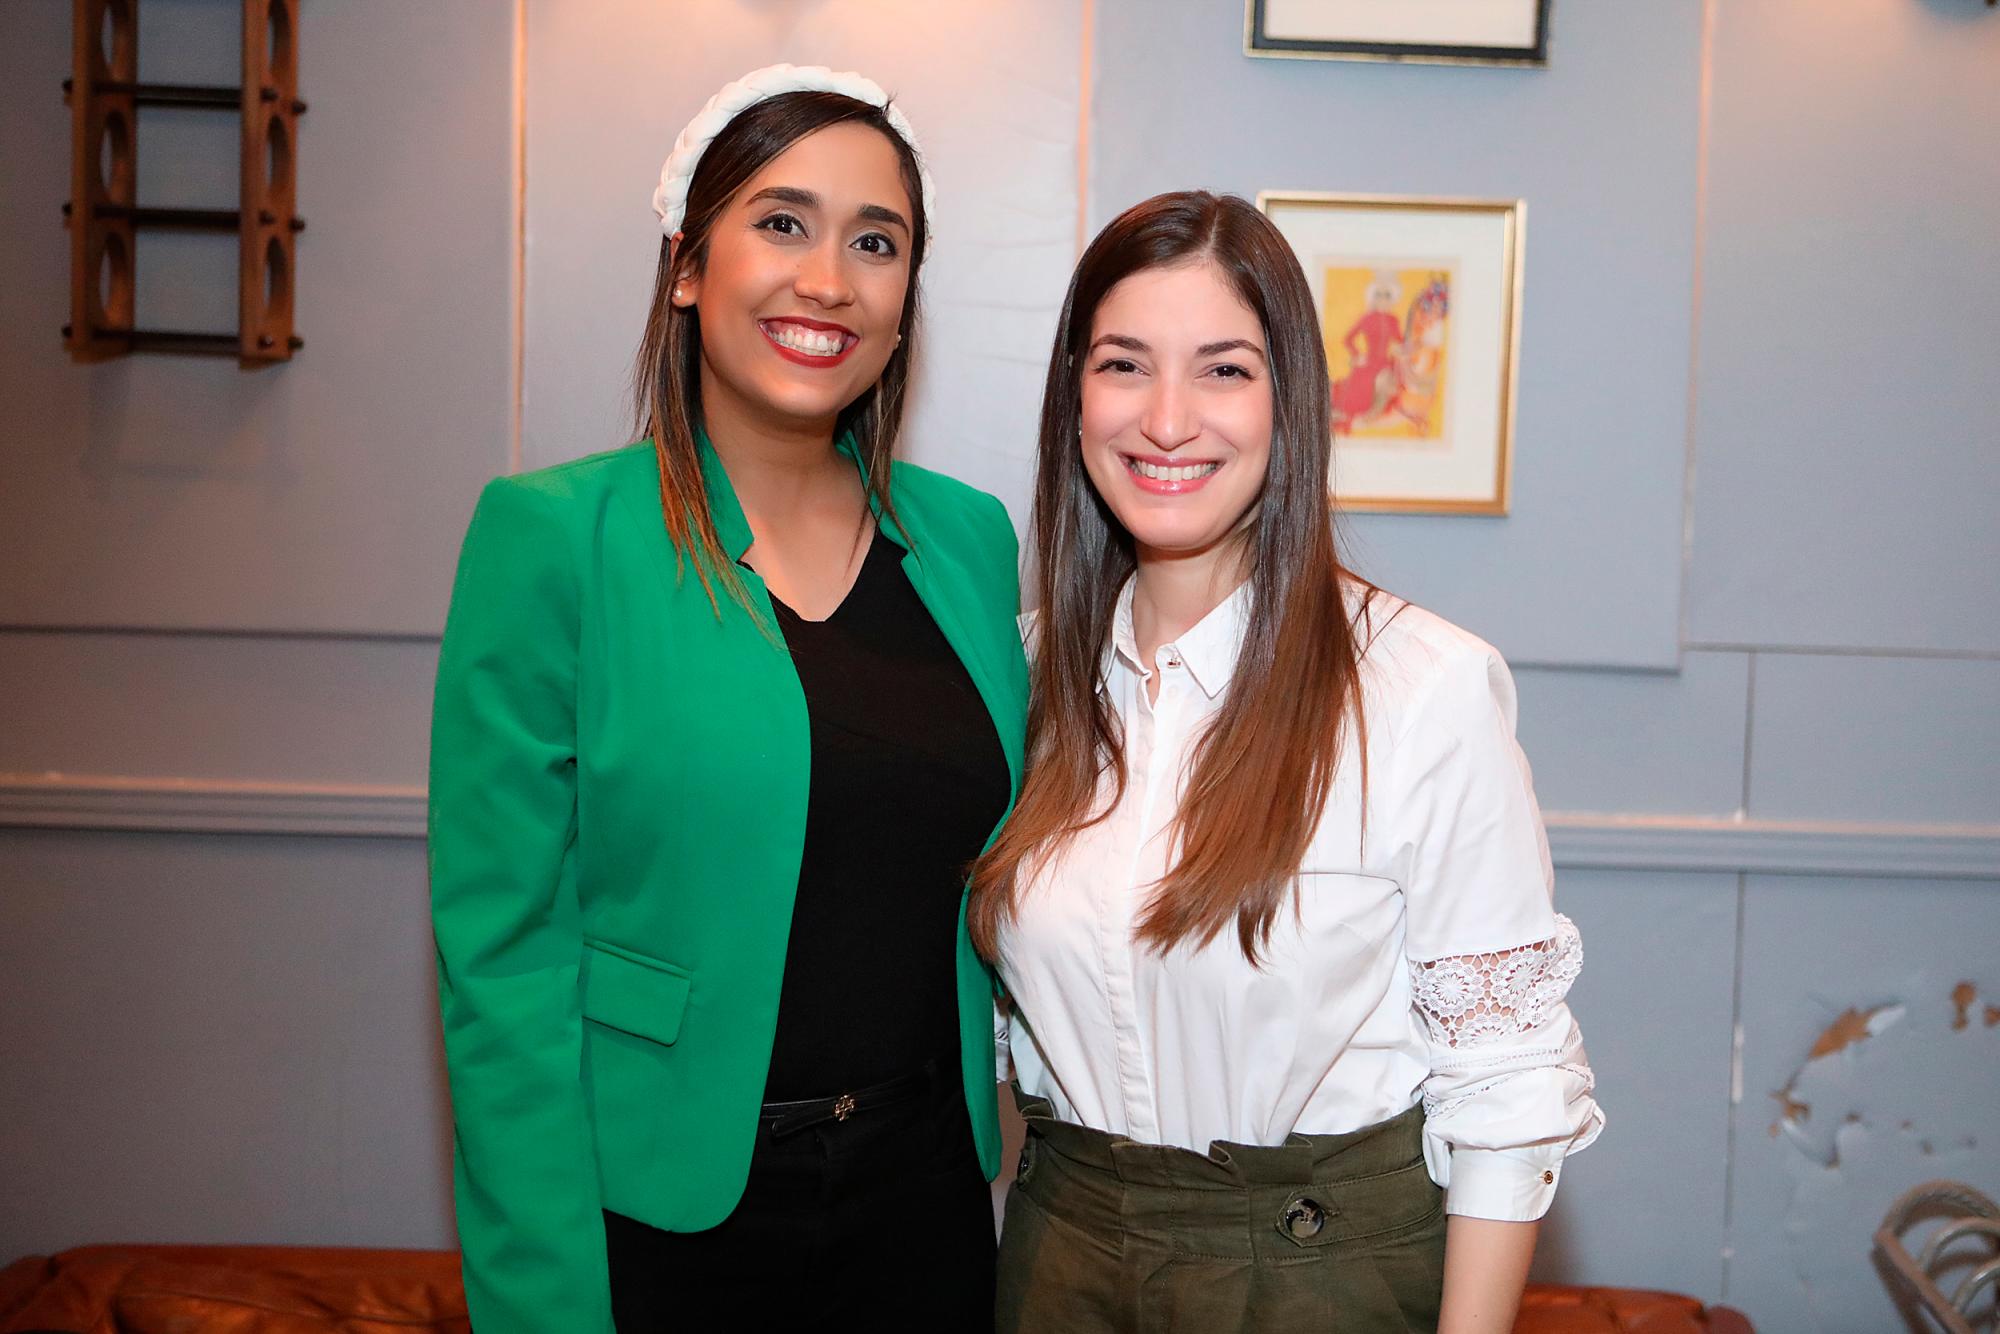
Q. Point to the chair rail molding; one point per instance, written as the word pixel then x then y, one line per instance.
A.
pixel 1577 839
pixel 210 806
pixel 1900 850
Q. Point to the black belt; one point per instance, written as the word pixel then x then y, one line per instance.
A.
pixel 786 1118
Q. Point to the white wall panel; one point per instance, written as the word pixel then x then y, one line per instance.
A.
pixel 219 707
pixel 212 1039
pixel 1662 1078
pixel 1845 471
pixel 1876 739
pixel 1638 742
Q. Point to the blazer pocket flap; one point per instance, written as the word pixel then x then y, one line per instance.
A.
pixel 645 999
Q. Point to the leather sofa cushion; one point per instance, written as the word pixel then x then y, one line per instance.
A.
pixel 234 1290
pixel 315 1290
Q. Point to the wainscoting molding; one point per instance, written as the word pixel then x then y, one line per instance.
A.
pixel 1576 838
pixel 1774 847
pixel 210 806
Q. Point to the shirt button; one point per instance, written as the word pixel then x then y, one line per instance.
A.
pixel 1173 658
pixel 1548 1178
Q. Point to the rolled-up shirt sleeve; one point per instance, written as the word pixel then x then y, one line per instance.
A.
pixel 1509 1094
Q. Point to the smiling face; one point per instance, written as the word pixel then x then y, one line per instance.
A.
pixel 1176 409
pixel 802 289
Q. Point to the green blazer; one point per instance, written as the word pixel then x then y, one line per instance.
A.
pixel 617 812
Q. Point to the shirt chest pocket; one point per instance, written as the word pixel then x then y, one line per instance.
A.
pixel 646 998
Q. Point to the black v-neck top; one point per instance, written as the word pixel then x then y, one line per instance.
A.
pixel 908 780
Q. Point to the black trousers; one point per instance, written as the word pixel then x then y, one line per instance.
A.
pixel 880 1221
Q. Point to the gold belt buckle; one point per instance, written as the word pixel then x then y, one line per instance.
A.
pixel 843 1107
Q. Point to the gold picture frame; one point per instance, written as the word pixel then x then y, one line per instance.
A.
pixel 1420 304
pixel 1393 32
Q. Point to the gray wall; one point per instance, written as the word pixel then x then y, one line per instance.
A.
pixel 219 599
pixel 1748 578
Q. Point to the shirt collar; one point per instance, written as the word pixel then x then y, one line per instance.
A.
pixel 1209 648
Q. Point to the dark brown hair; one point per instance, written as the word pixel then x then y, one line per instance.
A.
pixel 1262 772
pixel 667 377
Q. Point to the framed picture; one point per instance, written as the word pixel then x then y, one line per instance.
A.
pixel 1420 305
pixel 1436 32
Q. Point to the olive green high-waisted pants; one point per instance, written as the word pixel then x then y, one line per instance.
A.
pixel 1323 1232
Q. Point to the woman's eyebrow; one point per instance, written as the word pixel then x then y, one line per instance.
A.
pixel 797 198
pixel 878 213
pixel 786 194
pixel 1131 344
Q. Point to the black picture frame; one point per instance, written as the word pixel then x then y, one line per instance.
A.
pixel 1257 43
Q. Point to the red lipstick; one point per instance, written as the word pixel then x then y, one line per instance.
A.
pixel 848 340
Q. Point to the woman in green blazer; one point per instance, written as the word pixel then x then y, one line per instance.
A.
pixel 719 724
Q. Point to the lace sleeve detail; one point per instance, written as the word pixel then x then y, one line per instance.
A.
pixel 1469 999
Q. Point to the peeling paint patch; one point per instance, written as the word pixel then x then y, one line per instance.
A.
pixel 1993 1016
pixel 1865 1116
pixel 1962 997
pixel 1789 1109
pixel 1853 1026
pixel 1811 949
pixel 1850 1027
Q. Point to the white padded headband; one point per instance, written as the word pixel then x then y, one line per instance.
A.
pixel 670 198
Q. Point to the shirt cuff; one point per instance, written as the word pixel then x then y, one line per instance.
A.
pixel 1507 1185
pixel 1003 1047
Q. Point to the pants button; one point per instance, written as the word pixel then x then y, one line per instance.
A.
pixel 1303 1218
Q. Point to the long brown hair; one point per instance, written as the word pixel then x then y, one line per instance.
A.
pixel 666 380
pixel 1262 772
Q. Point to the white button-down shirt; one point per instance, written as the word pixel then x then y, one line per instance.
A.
pixel 1423 962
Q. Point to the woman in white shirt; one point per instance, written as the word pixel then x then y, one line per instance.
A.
pixel 1274 907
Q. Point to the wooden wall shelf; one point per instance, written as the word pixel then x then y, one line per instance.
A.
pixel 106 220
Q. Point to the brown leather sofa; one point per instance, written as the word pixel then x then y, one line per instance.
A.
pixel 301 1290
